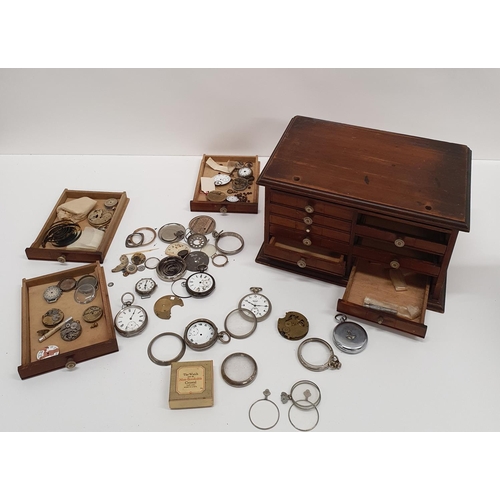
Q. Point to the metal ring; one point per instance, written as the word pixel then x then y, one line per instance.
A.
pixel 245 311
pixel 130 243
pixel 170 361
pixel 266 394
pixel 317 368
pixel 188 296
pixel 217 255
pixel 238 383
pixel 219 236
pixel 296 403
pixel 129 302
pixel 296 406
pixel 138 231
pixel 149 261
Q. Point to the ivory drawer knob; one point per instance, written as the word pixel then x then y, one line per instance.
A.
pixel 223 210
pixel 61 259
pixel 308 221
pixel 301 263
pixel 399 243
pixel 309 209
pixel 307 242
pixel 380 320
pixel 394 264
pixel 70 364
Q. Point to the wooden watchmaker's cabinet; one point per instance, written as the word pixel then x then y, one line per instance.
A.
pixel 351 205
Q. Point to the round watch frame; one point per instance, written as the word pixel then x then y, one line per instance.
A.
pixel 205 328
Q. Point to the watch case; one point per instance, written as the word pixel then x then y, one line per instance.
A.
pixel 63 254
pixel 200 203
pixel 93 341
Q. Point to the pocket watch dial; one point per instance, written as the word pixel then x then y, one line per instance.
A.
pixel 200 333
pixel 258 304
pixel 221 179
pixel 52 294
pixel 131 320
pixel 200 284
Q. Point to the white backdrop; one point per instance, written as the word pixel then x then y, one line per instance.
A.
pixel 236 111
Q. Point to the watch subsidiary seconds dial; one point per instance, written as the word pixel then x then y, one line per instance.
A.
pixel 202 334
pixel 145 287
pixel 130 319
pixel 259 304
pixel 200 284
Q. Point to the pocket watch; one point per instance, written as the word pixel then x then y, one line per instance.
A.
pixel 130 319
pixel 259 304
pixel 202 334
pixel 349 337
pixel 221 179
pixel 145 287
pixel 200 284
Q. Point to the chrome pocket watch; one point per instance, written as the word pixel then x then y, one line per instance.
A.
pixel 202 334
pixel 349 337
pixel 200 284
pixel 145 287
pixel 259 304
pixel 130 319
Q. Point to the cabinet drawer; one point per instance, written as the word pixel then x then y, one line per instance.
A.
pixel 310 205
pixel 422 263
pixel 314 258
pixel 402 235
pixel 299 238
pixel 371 295
pixel 313 230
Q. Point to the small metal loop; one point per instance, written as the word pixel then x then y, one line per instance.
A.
pixel 127 303
pixel 224 337
pixel 332 362
pixel 138 231
pixel 255 289
pixel 217 256
pixel 220 235
pixel 311 406
pixel 170 361
pixel 341 318
pixel 266 393
pixel 297 403
pixel 152 262
pixel 130 243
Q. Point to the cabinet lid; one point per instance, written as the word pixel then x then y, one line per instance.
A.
pixel 419 179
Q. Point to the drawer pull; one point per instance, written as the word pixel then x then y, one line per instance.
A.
pixel 70 364
pixel 308 221
pixel 309 209
pixel 399 243
pixel 394 264
pixel 301 263
pixel 380 320
pixel 307 242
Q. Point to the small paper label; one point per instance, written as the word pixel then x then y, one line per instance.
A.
pixel 190 380
pixel 226 168
pixel 207 184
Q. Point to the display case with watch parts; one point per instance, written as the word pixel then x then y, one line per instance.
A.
pixel 83 331
pixel 93 231
pixel 227 175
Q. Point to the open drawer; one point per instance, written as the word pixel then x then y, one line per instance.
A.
pixel 371 295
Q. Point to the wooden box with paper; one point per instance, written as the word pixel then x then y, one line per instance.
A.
pixel 227 184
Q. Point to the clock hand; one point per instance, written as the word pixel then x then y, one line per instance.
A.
pixel 135 310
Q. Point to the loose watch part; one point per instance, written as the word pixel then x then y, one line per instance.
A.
pixel 196 259
pixel 331 363
pixel 216 196
pixel 200 284
pixel 138 258
pixel 130 319
pixel 196 241
pixel 71 330
pixel 221 179
pixel 122 265
pixel 88 279
pixel 172 232
pixel 202 224
pixel 52 294
pixel 240 184
pixel 52 317
pixel 92 314
pixel 245 172
pixel 232 198
pixel 67 284
pixel 349 337
pixel 202 334
pixel 175 248
pixel 259 304
pixel 99 218
pixel 293 326
pixel 163 306
pixel 110 203
pixel 145 287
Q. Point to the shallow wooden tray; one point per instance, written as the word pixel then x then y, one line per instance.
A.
pixel 63 254
pixel 93 342
pixel 200 203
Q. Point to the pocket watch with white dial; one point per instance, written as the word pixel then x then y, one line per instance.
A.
pixel 200 284
pixel 259 304
pixel 145 287
pixel 202 334
pixel 130 319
